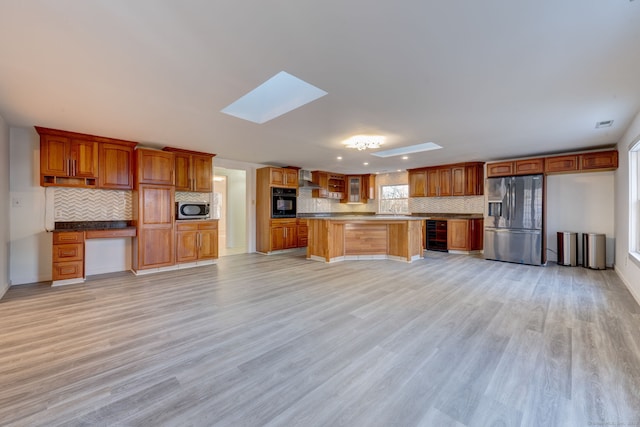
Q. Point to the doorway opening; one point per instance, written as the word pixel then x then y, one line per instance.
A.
pixel 230 206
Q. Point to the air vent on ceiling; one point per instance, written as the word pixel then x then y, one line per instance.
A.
pixel 604 124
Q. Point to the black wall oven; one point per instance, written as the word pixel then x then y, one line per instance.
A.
pixel 283 202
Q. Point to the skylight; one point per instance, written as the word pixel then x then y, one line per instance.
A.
pixel 426 146
pixel 278 95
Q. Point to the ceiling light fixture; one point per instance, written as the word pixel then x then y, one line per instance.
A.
pixel 362 142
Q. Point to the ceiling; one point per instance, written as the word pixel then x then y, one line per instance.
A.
pixel 486 80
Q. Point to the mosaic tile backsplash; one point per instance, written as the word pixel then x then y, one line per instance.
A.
pixel 85 204
pixel 462 205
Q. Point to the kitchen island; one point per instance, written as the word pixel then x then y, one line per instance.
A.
pixel 342 238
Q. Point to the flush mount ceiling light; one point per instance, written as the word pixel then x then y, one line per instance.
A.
pixel 362 142
pixel 604 124
pixel 278 95
pixel 407 150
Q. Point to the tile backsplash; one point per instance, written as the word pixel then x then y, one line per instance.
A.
pixel 85 204
pixel 462 205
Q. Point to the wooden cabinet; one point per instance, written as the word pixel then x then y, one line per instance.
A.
pixel 460 179
pixel 359 188
pixel 566 163
pixel 465 235
pixel 332 185
pixel 196 241
pixel 561 164
pixel 153 214
pixel 473 179
pixel 193 170
pixel 67 159
pixel 283 177
pixel 115 164
pixel 302 231
pixel 154 167
pixel 500 169
pixel 599 161
pixel 68 256
pixel 417 183
pixel 284 234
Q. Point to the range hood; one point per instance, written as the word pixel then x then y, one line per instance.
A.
pixel 305 179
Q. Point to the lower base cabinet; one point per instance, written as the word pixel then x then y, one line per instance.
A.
pixel 465 235
pixel 196 241
pixel 68 256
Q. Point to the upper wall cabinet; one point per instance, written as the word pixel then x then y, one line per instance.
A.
pixel 194 170
pixel 70 159
pixel 359 188
pixel 283 177
pixel 115 165
pixel 332 185
pixel 460 179
pixel 567 163
pixel 154 167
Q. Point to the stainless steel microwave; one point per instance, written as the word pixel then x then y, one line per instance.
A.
pixel 192 210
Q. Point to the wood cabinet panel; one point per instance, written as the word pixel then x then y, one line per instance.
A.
pixel 67 270
pixel 154 214
pixel 529 166
pixel 433 183
pixel 208 244
pixel 458 183
pixel 465 234
pixel 444 176
pixel 283 177
pixel 196 241
pixel 84 158
pixel 193 170
pixel 156 203
pixel 600 160
pixel 68 237
pixel 68 252
pixel 283 234
pixel 115 166
pixel 474 179
pixel 154 167
pixel 365 239
pixel 560 164
pixel 186 246
pixel 418 183
pixel 54 155
pixel 500 169
pixel 155 247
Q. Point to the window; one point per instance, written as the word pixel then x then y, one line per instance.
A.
pixel 634 200
pixel 394 199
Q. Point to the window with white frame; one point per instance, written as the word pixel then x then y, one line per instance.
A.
pixel 634 199
pixel 394 199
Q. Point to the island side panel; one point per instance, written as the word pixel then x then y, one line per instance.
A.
pixel 365 239
pixel 399 240
pixel 416 239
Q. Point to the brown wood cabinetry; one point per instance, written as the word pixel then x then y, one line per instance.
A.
pixel 66 159
pixel 68 256
pixel 196 241
pixel 283 177
pixel 154 167
pixel 359 188
pixel 566 163
pixel 332 185
pixel 284 234
pixel 562 164
pixel 302 232
pixel 465 235
pixel 193 170
pixel 460 179
pixel 115 165
pixel 599 161
pixel 153 214
pixel 417 183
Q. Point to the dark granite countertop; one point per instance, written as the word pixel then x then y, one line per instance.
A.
pixel 333 214
pixel 91 225
pixel 425 215
pixel 442 215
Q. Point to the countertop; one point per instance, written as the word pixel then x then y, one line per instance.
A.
pixel 368 218
pixel 92 225
pixel 370 215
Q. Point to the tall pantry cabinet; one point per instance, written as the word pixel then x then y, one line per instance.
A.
pixel 153 209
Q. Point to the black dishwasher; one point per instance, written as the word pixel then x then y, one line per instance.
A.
pixel 436 238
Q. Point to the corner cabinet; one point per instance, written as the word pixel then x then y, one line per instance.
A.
pixel 196 241
pixel 193 170
pixel 460 179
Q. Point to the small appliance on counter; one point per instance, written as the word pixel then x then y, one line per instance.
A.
pixel 192 210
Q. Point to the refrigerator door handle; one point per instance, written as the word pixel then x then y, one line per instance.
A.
pixel 508 207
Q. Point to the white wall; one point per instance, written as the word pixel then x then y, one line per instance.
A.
pixel 627 269
pixel 582 203
pixel 4 207
pixel 30 248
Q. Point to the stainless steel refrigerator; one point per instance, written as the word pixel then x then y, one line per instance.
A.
pixel 513 220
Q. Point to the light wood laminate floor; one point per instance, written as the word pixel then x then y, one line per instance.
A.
pixel 451 340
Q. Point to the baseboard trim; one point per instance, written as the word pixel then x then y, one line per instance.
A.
pixel 627 284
